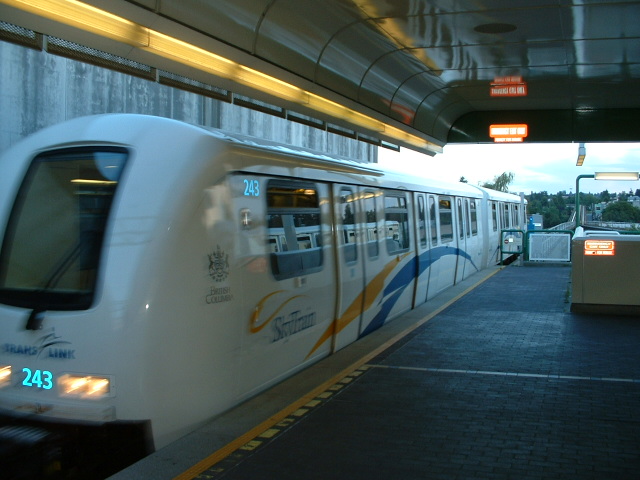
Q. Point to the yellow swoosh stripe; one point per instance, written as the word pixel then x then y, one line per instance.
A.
pixel 370 293
pixel 254 325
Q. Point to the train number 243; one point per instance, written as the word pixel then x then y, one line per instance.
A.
pixel 251 188
pixel 38 378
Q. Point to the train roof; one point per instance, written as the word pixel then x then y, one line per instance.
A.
pixel 135 129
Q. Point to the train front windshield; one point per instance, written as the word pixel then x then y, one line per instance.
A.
pixel 51 247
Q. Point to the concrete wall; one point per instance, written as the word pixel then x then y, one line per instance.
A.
pixel 38 89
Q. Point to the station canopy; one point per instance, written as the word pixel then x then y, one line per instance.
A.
pixel 415 73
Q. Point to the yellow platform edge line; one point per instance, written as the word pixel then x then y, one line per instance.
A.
pixel 234 445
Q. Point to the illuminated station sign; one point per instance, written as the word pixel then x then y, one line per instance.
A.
pixel 508 86
pixel 508 132
pixel 600 247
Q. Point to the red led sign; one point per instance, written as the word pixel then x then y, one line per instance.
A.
pixel 508 86
pixel 508 90
pixel 599 247
pixel 508 132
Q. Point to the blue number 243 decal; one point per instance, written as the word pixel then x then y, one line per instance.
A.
pixel 38 378
pixel 251 188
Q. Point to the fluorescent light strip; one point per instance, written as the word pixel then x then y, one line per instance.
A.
pixel 632 176
pixel 100 22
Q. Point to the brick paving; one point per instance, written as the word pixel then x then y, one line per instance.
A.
pixel 506 383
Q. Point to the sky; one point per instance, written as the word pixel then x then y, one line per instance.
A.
pixel 537 167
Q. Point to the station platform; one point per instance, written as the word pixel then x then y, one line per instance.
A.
pixel 494 379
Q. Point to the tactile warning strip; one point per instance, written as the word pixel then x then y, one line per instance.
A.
pixel 233 454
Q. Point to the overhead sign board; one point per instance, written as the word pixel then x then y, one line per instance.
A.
pixel 508 132
pixel 508 86
pixel 600 247
pixel 508 90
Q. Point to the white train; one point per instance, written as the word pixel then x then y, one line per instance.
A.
pixel 154 274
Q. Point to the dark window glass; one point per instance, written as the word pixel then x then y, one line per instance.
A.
pixel 371 215
pixel 474 218
pixel 347 226
pixel 294 224
pixel 51 251
pixel 446 219
pixel 396 222
pixel 422 222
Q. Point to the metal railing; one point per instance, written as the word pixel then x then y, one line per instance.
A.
pixel 536 245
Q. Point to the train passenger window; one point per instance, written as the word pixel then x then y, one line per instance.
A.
pixel 53 243
pixel 474 217
pixel 348 226
pixel 432 221
pixel 371 223
pixel 446 219
pixel 467 218
pixel 460 219
pixel 396 222
pixel 505 216
pixel 494 215
pixel 422 222
pixel 293 220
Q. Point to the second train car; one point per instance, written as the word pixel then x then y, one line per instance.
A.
pixel 154 274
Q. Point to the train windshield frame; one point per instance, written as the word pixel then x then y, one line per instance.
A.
pixel 52 245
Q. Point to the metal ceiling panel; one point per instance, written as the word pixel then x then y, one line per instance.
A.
pixel 294 34
pixel 378 88
pixel 426 64
pixel 343 64
pixel 233 22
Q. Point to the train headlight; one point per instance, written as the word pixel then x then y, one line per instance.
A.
pixel 5 375
pixel 84 386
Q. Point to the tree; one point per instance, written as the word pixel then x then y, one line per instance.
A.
pixel 605 196
pixel 621 212
pixel 553 208
pixel 500 182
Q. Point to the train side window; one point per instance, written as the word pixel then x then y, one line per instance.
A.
pixel 494 215
pixel 467 218
pixel 348 226
pixel 294 224
pixel 422 222
pixel 474 217
pixel 505 216
pixel 371 225
pixel 433 227
pixel 446 219
pixel 460 219
pixel 396 222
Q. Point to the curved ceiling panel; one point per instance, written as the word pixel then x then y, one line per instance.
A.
pixel 343 65
pixel 232 22
pixel 294 34
pixel 379 89
pixel 421 63
pixel 424 99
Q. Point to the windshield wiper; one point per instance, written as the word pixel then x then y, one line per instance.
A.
pixel 34 322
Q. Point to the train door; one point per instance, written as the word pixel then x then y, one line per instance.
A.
pixel 493 238
pixel 423 257
pixel 390 263
pixel 444 250
pixel 475 247
pixel 461 214
pixel 350 242
pixel 374 258
pixel 285 261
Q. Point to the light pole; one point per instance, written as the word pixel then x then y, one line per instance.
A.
pixel 633 176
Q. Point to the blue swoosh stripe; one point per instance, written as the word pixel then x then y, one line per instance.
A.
pixel 404 277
